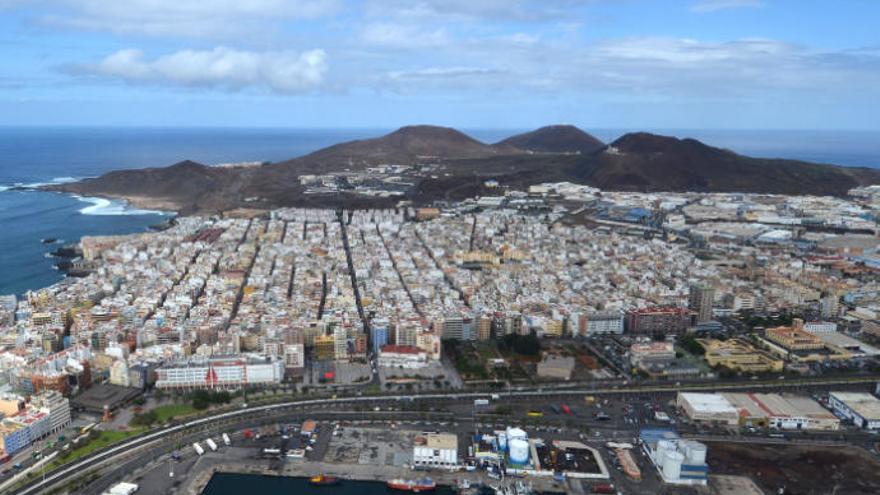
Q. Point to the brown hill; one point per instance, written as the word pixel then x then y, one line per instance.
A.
pixel 185 186
pixel 407 145
pixel 555 139
pixel 634 162
pixel 643 161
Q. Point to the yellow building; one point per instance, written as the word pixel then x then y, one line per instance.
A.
pixel 325 347
pixel 553 328
pixel 739 355
pixel 801 346
pixel 794 339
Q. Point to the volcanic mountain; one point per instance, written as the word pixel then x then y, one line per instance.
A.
pixel 633 162
pixel 643 161
pixel 555 139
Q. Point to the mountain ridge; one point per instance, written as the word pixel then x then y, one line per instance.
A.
pixel 637 161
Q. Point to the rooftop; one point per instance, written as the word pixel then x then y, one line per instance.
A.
pixel 864 404
pixel 714 403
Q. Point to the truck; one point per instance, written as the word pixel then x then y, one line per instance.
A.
pixel 211 445
pixel 481 402
pixel 198 448
pixel 226 440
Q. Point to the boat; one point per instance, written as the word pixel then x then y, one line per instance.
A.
pixel 416 486
pixel 324 480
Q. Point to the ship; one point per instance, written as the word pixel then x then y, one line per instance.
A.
pixel 415 486
pixel 324 480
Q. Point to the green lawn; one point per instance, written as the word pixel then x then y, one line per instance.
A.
pixel 101 440
pixel 167 412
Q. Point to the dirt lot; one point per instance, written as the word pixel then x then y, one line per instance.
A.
pixel 801 470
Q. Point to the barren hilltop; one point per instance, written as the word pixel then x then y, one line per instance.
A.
pixel 424 163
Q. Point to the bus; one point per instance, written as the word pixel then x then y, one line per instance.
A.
pixel 535 414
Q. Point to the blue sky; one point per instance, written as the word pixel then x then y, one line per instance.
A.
pixel 754 64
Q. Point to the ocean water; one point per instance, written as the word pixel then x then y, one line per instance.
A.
pixel 236 484
pixel 44 155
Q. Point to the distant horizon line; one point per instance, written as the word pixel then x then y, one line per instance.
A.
pixel 392 128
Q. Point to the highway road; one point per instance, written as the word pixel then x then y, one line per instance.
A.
pixel 153 438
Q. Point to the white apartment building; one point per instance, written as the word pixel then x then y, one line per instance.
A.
pixel 226 372
pixel 607 322
pixel 400 356
pixel 56 405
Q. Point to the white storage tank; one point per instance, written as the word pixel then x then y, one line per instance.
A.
pixel 516 433
pixel 663 446
pixel 696 453
pixel 672 465
pixel 502 441
pixel 519 451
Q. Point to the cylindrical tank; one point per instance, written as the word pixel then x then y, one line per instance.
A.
pixel 519 451
pixel 502 441
pixel 516 433
pixel 696 453
pixel 663 446
pixel 672 465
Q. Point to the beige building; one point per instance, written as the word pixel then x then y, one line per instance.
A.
pixel 554 366
pixel 739 355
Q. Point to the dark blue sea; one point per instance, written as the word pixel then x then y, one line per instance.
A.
pixel 236 484
pixel 44 155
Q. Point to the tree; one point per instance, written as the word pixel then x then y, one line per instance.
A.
pixel 201 400
pixel 145 419
pixel 525 345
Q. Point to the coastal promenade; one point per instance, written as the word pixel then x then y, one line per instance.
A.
pixel 152 439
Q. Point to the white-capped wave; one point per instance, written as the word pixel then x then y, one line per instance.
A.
pixel 102 206
pixel 55 180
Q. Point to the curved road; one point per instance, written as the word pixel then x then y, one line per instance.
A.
pixel 126 447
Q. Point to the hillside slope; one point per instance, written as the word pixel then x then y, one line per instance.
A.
pixel 555 139
pixel 633 162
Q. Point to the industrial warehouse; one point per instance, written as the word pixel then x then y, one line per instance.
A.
pixel 861 408
pixel 757 410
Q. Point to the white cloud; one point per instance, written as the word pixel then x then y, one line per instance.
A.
pixel 519 10
pixel 185 17
pixel 657 66
pixel 437 73
pixel 716 5
pixel 404 35
pixel 220 68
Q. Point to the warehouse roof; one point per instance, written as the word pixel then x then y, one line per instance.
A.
pixel 865 405
pixel 711 403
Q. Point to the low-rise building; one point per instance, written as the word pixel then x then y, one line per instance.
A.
pixel 861 408
pixel 708 408
pixel 739 355
pixel 784 412
pixel 651 356
pixel 402 356
pixel 556 367
pixel 794 339
pixel 222 372
pixel 436 450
